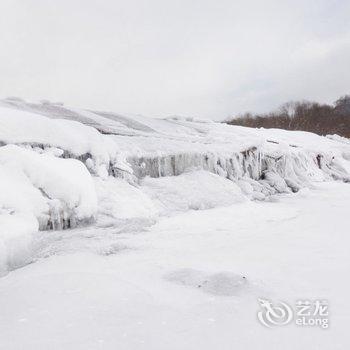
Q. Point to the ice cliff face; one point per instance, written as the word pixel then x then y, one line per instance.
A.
pixel 62 167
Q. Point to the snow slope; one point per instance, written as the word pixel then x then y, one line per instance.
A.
pixel 153 233
pixel 64 167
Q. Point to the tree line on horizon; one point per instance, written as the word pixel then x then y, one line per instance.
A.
pixel 322 119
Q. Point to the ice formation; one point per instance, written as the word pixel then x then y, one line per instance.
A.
pixel 60 167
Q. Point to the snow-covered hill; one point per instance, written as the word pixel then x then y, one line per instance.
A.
pixel 163 234
pixel 61 168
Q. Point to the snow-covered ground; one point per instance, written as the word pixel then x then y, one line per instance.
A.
pixel 169 231
pixel 104 289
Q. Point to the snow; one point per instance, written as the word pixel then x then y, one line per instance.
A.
pixel 75 138
pixel 134 146
pixel 221 283
pixel 16 240
pixel 120 201
pixel 50 180
pixel 39 190
pixel 195 190
pixel 136 233
pixel 147 296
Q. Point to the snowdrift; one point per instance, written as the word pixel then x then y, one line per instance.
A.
pixel 62 167
pixel 39 191
pixel 196 190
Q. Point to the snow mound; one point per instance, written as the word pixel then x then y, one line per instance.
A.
pixel 120 203
pixel 193 190
pixel 75 139
pixel 57 192
pixel 16 239
pixel 221 283
pixel 39 191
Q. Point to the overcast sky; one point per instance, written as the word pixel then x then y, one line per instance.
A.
pixel 208 58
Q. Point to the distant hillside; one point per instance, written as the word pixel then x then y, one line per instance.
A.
pixel 318 118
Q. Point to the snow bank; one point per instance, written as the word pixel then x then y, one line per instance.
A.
pixel 157 148
pixel 260 172
pixel 120 202
pixel 75 139
pixel 156 158
pixel 16 238
pixel 57 191
pixel 39 191
pixel 192 190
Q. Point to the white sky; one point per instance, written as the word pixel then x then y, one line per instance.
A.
pixel 208 58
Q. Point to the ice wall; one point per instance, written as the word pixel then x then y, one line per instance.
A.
pixel 263 173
